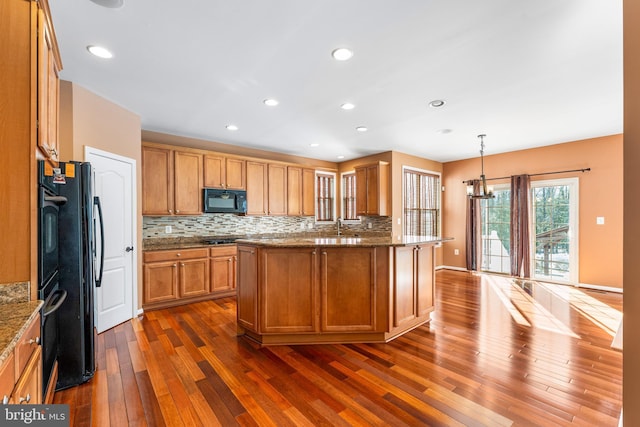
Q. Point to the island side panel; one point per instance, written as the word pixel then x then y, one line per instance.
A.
pixel 247 288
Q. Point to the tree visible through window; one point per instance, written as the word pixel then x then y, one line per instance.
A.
pixel 421 203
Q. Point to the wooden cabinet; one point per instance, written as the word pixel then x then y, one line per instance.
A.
pixel 288 290
pixel 175 276
pixel 171 182
pixel 247 294
pixel 29 129
pixel 372 189
pixel 300 191
pixel 348 288
pixel 413 285
pixel 49 66
pixel 256 188
pixel 224 172
pixel 276 189
pixel 21 372
pixel 223 261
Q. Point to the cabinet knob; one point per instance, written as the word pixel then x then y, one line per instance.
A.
pixel 182 264
pixel 5 400
pixel 177 210
pixel 175 265
pixel 170 211
pixel 26 399
pixel 35 340
pixel 178 254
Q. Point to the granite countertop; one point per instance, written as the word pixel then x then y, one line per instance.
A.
pixel 344 241
pixel 15 319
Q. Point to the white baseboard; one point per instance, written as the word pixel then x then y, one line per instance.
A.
pixel 450 267
pixel 599 288
pixel 140 312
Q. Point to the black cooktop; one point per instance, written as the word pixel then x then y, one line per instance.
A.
pixel 219 241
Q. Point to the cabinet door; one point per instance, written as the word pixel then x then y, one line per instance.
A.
pixel 188 183
pixel 288 290
pixel 294 193
pixel 214 171
pixel 29 386
pixel 372 190
pixel 194 277
pixel 404 292
pixel 160 281
pixel 361 191
pixel 348 289
pixel 236 175
pixel 308 192
pixel 48 89
pixel 157 181
pixel 247 298
pixel 7 378
pixel 277 189
pixel 256 188
pixel 223 273
pixel 425 279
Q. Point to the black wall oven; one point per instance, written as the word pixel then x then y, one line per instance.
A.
pixel 49 203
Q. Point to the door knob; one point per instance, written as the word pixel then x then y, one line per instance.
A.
pixel 129 248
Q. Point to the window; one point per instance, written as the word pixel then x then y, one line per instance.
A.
pixel 496 223
pixel 325 196
pixel 421 203
pixel 349 197
pixel 553 217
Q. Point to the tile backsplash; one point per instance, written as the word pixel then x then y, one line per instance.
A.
pixel 235 225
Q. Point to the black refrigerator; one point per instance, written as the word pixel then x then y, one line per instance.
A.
pixel 79 226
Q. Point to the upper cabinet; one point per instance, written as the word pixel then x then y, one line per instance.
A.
pixel 300 191
pixel 277 189
pixel 372 189
pixel 224 172
pixel 49 66
pixel 171 182
pixel 256 188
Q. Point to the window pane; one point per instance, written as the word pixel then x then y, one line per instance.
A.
pixel 421 203
pixel 496 222
pixel 349 196
pixel 325 190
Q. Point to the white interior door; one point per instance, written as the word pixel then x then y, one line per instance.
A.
pixel 114 184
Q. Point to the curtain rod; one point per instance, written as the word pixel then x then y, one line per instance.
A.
pixel 536 174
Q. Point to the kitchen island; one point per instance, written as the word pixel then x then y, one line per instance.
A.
pixel 334 289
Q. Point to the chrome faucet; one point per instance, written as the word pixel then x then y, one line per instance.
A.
pixel 338 221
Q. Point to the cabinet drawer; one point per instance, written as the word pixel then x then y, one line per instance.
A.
pixel 223 251
pixel 156 256
pixel 29 386
pixel 29 341
pixel 7 377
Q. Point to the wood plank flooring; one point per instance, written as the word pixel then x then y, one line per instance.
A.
pixel 495 354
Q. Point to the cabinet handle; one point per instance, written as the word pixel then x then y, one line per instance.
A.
pixel 35 340
pixel 5 400
pixel 25 399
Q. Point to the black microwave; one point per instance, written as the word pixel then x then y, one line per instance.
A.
pixel 225 201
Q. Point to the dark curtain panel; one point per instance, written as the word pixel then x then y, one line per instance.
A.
pixel 520 252
pixel 474 230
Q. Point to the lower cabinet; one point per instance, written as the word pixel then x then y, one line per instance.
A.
pixel 174 277
pixel 21 372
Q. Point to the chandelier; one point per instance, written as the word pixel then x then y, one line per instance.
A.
pixel 482 191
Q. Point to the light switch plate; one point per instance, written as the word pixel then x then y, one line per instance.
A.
pixel 600 220
pixel 167 229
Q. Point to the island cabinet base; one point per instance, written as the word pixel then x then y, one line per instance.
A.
pixel 326 294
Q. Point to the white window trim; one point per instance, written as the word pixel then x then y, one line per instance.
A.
pixel 439 174
pixel 342 207
pixel 315 195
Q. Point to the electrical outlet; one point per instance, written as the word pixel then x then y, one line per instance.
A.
pixel 167 229
pixel 456 251
pixel 600 220
pixel 369 225
pixel 310 225
pixel 302 226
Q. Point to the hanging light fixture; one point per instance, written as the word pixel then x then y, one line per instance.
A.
pixel 484 191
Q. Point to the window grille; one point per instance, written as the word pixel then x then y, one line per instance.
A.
pixel 421 203
pixel 349 196
pixel 325 194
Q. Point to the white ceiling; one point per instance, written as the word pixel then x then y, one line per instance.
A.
pixel 525 72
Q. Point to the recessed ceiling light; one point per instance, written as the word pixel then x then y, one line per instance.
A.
pixel 444 131
pixel 347 106
pixel 111 4
pixel 436 103
pixel 231 127
pixel 362 129
pixel 341 157
pixel 315 144
pixel 271 102
pixel 342 54
pixel 100 52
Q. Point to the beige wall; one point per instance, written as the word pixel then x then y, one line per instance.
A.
pixel 600 194
pixel 631 368
pixel 87 119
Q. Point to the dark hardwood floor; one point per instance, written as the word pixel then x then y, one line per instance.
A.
pixel 496 353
